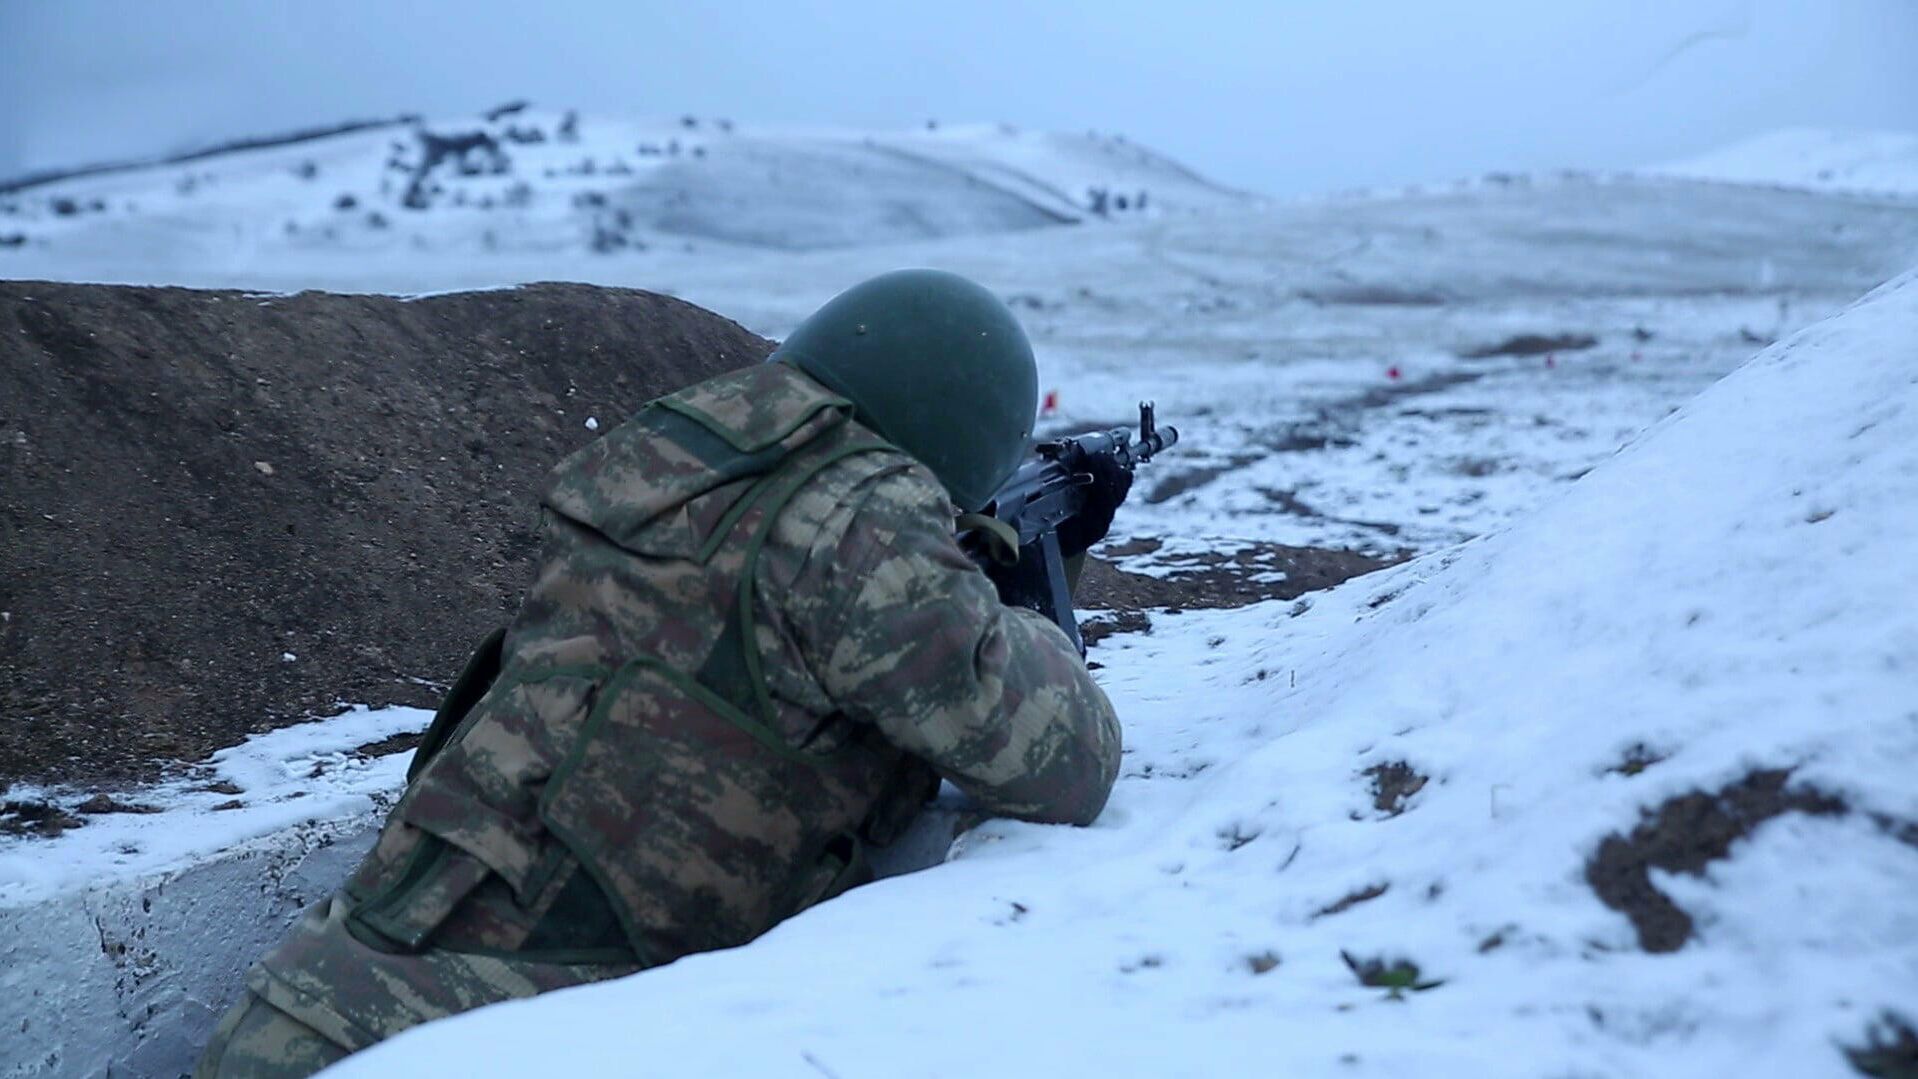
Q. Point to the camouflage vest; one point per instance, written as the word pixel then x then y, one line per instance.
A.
pixel 629 765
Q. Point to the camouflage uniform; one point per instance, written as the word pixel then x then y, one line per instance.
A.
pixel 751 650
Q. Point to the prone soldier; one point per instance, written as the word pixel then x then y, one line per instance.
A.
pixel 751 650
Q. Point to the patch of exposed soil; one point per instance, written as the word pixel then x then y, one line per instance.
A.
pixel 35 818
pixel 1533 344
pixel 1638 757
pixel 1099 627
pixel 1889 1051
pixel 1262 962
pixel 1213 579
pixel 1392 783
pixel 221 512
pixel 391 744
pixel 106 803
pixel 1685 834
pixel 1363 895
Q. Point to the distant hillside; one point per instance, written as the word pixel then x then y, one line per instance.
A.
pixel 523 180
pixel 1860 161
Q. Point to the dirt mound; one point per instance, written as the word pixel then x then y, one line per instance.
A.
pixel 222 512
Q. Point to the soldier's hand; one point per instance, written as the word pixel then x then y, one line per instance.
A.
pixel 1111 482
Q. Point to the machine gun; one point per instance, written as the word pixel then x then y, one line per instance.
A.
pixel 1015 538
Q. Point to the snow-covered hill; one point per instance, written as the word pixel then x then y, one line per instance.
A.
pixel 1871 162
pixel 529 181
pixel 1621 790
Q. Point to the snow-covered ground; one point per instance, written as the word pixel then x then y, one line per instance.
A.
pixel 1730 595
pixel 1447 372
pixel 1878 162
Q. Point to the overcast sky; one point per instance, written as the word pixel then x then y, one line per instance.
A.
pixel 1280 96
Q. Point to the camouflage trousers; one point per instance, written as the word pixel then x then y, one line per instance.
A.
pixel 258 1041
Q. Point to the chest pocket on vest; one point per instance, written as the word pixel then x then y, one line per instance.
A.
pixel 481 791
pixel 698 821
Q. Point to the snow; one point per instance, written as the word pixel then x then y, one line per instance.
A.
pixel 1732 591
pixel 267 784
pixel 1871 162
pixel 1725 593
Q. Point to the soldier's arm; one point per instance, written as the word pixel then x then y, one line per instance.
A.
pixel 917 643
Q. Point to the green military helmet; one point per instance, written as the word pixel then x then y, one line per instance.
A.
pixel 934 363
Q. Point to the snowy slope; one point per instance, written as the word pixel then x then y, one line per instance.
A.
pixel 1881 162
pixel 555 182
pixel 1729 595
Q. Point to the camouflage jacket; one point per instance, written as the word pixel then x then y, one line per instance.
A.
pixel 751 649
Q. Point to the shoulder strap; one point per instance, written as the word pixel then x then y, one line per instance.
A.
pixel 482 668
pixel 749 573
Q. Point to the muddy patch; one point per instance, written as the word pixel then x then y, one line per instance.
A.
pixel 1533 344
pixel 403 742
pixel 1684 835
pixel 1393 783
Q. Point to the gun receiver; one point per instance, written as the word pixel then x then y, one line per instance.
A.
pixel 1015 539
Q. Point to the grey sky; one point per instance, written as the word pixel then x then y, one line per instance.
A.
pixel 1280 96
